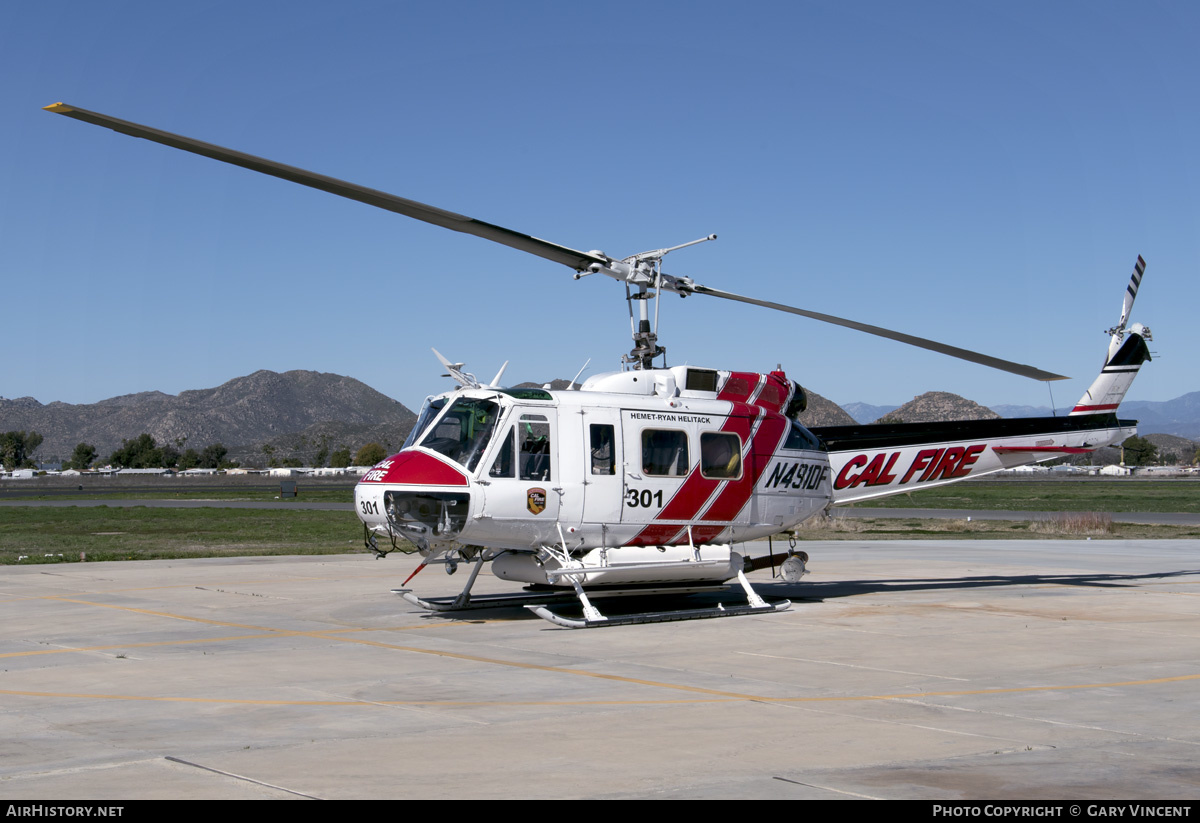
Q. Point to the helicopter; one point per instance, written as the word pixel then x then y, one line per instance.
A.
pixel 640 482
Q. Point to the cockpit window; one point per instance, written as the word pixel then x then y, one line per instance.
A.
pixel 502 466
pixel 429 410
pixel 463 432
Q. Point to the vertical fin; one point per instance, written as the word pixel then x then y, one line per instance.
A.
pixel 1127 350
pixel 1106 393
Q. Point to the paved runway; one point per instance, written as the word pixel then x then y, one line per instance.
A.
pixel 914 669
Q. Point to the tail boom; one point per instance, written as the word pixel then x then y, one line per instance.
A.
pixel 877 461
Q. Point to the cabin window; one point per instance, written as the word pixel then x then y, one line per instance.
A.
pixel 720 455
pixel 664 453
pixel 463 432
pixel 502 466
pixel 802 439
pixel 602 449
pixel 533 433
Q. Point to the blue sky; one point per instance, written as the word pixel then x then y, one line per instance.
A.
pixel 982 174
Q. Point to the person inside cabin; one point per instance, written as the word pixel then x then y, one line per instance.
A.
pixel 719 454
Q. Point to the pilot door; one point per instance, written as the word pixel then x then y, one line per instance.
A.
pixel 604 472
pixel 522 480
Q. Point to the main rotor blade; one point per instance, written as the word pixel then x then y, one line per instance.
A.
pixel 409 208
pixel 920 342
pixel 577 260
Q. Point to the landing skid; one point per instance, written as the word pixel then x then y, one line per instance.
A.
pixel 593 619
pixel 656 617
pixel 537 602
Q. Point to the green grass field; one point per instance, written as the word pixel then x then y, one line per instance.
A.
pixel 1057 527
pixel 1054 496
pixel 253 494
pixel 55 535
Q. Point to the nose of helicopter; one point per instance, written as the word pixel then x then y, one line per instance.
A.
pixel 414 468
pixel 415 495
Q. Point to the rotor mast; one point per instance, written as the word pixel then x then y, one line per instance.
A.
pixel 644 271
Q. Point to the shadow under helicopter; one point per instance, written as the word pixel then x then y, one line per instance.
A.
pixel 817 592
pixel 776 590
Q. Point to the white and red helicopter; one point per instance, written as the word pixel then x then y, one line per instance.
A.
pixel 640 482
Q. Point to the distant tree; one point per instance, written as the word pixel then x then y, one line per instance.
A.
pixel 82 457
pixel 340 459
pixel 291 463
pixel 140 453
pixel 369 455
pixel 1139 451
pixel 322 451
pixel 170 457
pixel 17 448
pixel 32 441
pixel 212 456
pixel 189 460
pixel 889 418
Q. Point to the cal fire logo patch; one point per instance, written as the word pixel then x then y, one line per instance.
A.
pixel 535 501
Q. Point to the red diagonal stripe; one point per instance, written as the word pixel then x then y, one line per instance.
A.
pixel 737 493
pixel 696 490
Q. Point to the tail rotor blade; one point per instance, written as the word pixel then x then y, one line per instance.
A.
pixel 1118 331
pixel 1139 269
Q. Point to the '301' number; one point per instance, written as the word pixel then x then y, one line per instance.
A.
pixel 643 498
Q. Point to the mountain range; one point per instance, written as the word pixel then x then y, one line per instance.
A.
pixel 296 414
pixel 1179 417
